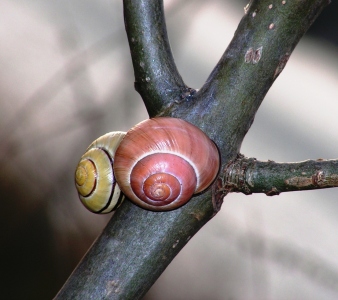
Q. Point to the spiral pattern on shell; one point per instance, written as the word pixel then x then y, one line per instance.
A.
pixel 94 175
pixel 162 162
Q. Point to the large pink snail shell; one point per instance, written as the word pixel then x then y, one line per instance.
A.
pixel 162 162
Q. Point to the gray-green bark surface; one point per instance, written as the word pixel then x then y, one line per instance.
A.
pixel 137 245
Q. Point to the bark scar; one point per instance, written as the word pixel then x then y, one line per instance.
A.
pixel 282 63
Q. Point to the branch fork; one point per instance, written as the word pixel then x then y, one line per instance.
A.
pixel 137 245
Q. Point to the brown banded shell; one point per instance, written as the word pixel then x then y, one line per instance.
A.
pixel 94 175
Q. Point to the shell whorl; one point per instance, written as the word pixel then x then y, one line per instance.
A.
pixel 94 175
pixel 162 162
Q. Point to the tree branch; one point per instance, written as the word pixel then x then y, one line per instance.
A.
pixel 264 40
pixel 156 76
pixel 133 250
pixel 248 175
pixel 137 245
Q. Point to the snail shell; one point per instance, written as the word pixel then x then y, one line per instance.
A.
pixel 94 176
pixel 162 162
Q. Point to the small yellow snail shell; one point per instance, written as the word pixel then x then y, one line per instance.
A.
pixel 94 176
pixel 162 162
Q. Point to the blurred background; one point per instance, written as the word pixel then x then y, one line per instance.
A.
pixel 66 78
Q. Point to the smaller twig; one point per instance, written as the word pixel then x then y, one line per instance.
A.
pixel 156 76
pixel 248 175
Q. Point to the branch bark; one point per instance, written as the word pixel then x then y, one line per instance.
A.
pixel 226 105
pixel 137 245
pixel 156 76
pixel 248 175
